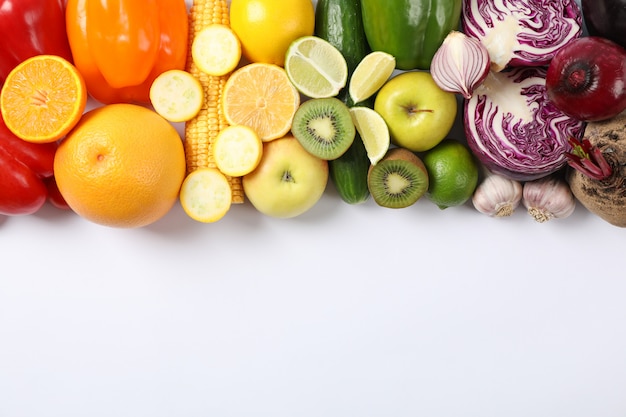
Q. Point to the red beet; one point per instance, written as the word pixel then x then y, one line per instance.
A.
pixel 598 175
pixel 586 79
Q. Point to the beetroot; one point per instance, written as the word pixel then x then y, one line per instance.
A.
pixel 586 79
pixel 598 174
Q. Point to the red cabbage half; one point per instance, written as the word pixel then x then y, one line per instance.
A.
pixel 522 32
pixel 512 127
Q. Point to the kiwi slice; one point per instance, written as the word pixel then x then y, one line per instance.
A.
pixel 324 127
pixel 398 180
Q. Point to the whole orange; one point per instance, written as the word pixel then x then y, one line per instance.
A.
pixel 266 28
pixel 121 166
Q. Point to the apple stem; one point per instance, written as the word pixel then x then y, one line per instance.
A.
pixel 413 110
pixel 588 159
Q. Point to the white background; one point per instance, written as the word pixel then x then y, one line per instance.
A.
pixel 344 311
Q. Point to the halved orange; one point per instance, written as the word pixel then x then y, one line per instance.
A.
pixel 262 97
pixel 43 98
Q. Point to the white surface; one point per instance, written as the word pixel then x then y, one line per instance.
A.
pixel 344 311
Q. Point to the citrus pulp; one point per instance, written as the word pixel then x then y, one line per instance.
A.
pixel 261 97
pixel 43 98
pixel 316 67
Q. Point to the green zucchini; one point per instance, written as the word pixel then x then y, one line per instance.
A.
pixel 340 23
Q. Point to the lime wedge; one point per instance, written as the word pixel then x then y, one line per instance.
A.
pixel 373 131
pixel 316 67
pixel 370 75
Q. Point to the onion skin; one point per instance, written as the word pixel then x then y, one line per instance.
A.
pixel 460 64
pixel 586 79
pixel 514 130
pixel 605 198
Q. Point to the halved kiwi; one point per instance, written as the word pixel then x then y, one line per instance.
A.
pixel 398 180
pixel 324 127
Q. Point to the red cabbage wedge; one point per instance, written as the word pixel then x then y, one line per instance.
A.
pixel 512 127
pixel 522 32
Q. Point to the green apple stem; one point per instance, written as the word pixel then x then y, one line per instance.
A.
pixel 412 110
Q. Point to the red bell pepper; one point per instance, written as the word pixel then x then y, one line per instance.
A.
pixel 29 28
pixel 26 170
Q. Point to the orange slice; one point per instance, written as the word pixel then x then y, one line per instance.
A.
pixel 43 98
pixel 262 97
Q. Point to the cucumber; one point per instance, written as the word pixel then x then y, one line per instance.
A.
pixel 339 22
pixel 348 173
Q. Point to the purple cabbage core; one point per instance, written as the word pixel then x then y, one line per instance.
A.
pixel 514 130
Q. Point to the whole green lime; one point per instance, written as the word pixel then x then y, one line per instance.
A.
pixel 452 173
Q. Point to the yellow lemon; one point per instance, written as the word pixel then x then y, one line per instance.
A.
pixel 266 28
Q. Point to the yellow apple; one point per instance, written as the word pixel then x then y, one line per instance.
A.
pixel 288 180
pixel 418 113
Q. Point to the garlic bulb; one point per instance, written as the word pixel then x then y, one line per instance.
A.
pixel 547 198
pixel 460 64
pixel 497 196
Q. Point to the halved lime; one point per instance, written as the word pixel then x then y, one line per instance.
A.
pixel 373 131
pixel 316 67
pixel 370 74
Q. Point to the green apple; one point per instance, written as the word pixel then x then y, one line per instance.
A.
pixel 288 180
pixel 418 113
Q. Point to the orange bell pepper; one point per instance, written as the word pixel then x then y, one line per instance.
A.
pixel 121 46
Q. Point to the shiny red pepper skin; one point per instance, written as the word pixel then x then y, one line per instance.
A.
pixel 25 169
pixel 54 194
pixel 29 28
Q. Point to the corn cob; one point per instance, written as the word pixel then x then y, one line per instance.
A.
pixel 201 131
